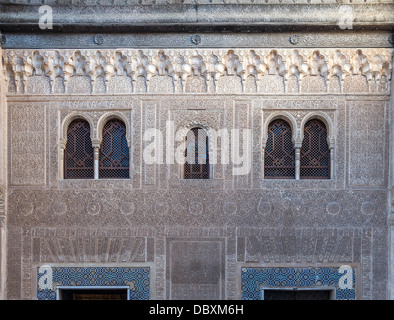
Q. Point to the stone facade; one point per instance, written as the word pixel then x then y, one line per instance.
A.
pixel 198 238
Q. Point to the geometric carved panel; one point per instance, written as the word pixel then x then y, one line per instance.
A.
pixel 194 269
pixel 28 156
pixel 367 144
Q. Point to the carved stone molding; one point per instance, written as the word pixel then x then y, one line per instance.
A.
pixel 169 15
pixel 101 208
pixel 245 39
pixel 103 3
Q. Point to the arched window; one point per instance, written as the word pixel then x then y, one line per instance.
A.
pixel 315 153
pixel 279 157
pixel 196 154
pixel 78 155
pixel 114 151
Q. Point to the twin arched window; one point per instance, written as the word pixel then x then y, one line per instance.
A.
pixel 113 161
pixel 279 157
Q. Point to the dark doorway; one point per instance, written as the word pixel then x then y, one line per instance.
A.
pixel 93 294
pixel 297 294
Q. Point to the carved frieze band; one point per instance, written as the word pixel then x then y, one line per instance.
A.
pixel 89 245
pixel 237 71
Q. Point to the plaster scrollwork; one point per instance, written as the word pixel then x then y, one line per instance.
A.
pixel 314 75
pixel 35 65
pixel 160 74
pixel 118 74
pixel 156 71
pixel 215 69
pixel 317 64
pixel 274 63
pixel 359 63
pixel 118 65
pixel 37 74
pixel 194 74
pixel 379 73
pixel 56 65
pixel 253 65
pixel 139 66
pixel 338 67
pixel 274 71
pixel 98 71
pixel 10 79
pixel 76 74
pixel 17 72
pixel 295 65
pixel 252 71
pixel 297 69
pixel 232 64
pixel 161 65
pixel 197 65
pixel 181 71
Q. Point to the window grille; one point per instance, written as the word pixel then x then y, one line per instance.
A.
pixel 315 153
pixel 279 157
pixel 196 154
pixel 114 151
pixel 78 155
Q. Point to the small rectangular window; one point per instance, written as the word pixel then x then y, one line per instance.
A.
pixel 196 155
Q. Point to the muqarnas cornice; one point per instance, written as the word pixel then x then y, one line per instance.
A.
pixel 177 71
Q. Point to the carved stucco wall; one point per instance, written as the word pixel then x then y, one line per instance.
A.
pixel 155 218
pixel 3 170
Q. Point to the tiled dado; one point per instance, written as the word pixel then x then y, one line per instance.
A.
pixel 137 279
pixel 254 280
